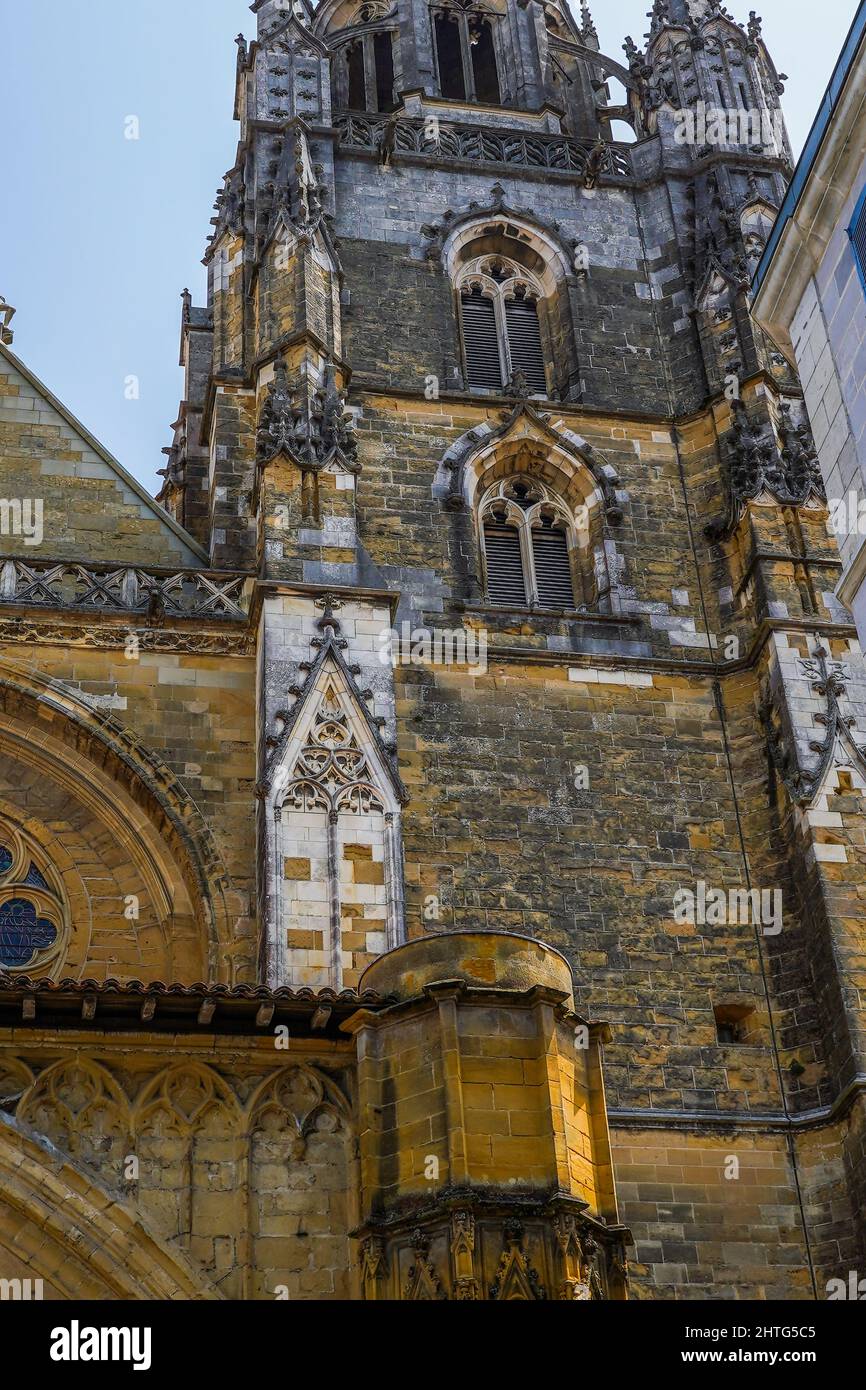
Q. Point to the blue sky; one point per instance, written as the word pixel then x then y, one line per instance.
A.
pixel 100 234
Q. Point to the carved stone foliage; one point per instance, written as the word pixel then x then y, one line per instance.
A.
pixel 787 472
pixel 311 430
pixel 39 631
pixel 482 145
pixel 829 680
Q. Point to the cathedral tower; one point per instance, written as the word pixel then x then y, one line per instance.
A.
pixel 489 743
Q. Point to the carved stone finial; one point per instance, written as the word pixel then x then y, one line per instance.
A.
pixel 7 314
pixel 587 26
pixel 329 603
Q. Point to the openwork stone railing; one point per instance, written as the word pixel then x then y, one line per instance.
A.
pixel 101 588
pixel 481 144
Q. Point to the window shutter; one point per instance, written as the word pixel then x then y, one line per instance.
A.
pixel 524 342
pixel 481 341
pixel 505 582
pixel 553 579
pixel 857 233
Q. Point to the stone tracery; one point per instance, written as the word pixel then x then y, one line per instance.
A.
pixel 33 912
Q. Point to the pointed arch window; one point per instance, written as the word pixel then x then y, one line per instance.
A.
pixel 501 328
pixel 364 72
pixel 528 540
pixel 466 55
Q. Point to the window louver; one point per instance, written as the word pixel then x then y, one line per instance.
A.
pixel 524 342
pixel 552 569
pixel 481 342
pixel 505 583
pixel 857 233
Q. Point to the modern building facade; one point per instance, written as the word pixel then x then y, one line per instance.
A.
pixel 810 295
pixel 432 833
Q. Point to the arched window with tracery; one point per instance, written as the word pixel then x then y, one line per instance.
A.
pixel 365 76
pixel 466 59
pixel 33 916
pixel 501 326
pixel 528 542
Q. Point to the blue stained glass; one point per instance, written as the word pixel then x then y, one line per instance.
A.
pixel 34 879
pixel 22 934
pixel 5 860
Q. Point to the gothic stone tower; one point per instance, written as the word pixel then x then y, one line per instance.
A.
pixel 475 372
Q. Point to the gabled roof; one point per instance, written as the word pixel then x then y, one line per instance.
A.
pixel 182 546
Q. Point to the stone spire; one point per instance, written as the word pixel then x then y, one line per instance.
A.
pixel 587 26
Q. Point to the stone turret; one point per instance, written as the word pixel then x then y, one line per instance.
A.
pixel 485 1158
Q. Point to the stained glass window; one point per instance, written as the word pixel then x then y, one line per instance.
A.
pixel 23 933
pixel 35 879
pixel 33 919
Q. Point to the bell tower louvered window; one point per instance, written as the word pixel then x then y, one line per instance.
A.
pixel 364 76
pixel 526 533
pixel 466 54
pixel 504 555
pixel 524 343
pixel 481 341
pixel 501 326
pixel 552 564
pixel 857 233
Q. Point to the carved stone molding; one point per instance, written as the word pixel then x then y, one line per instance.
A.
pixel 829 680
